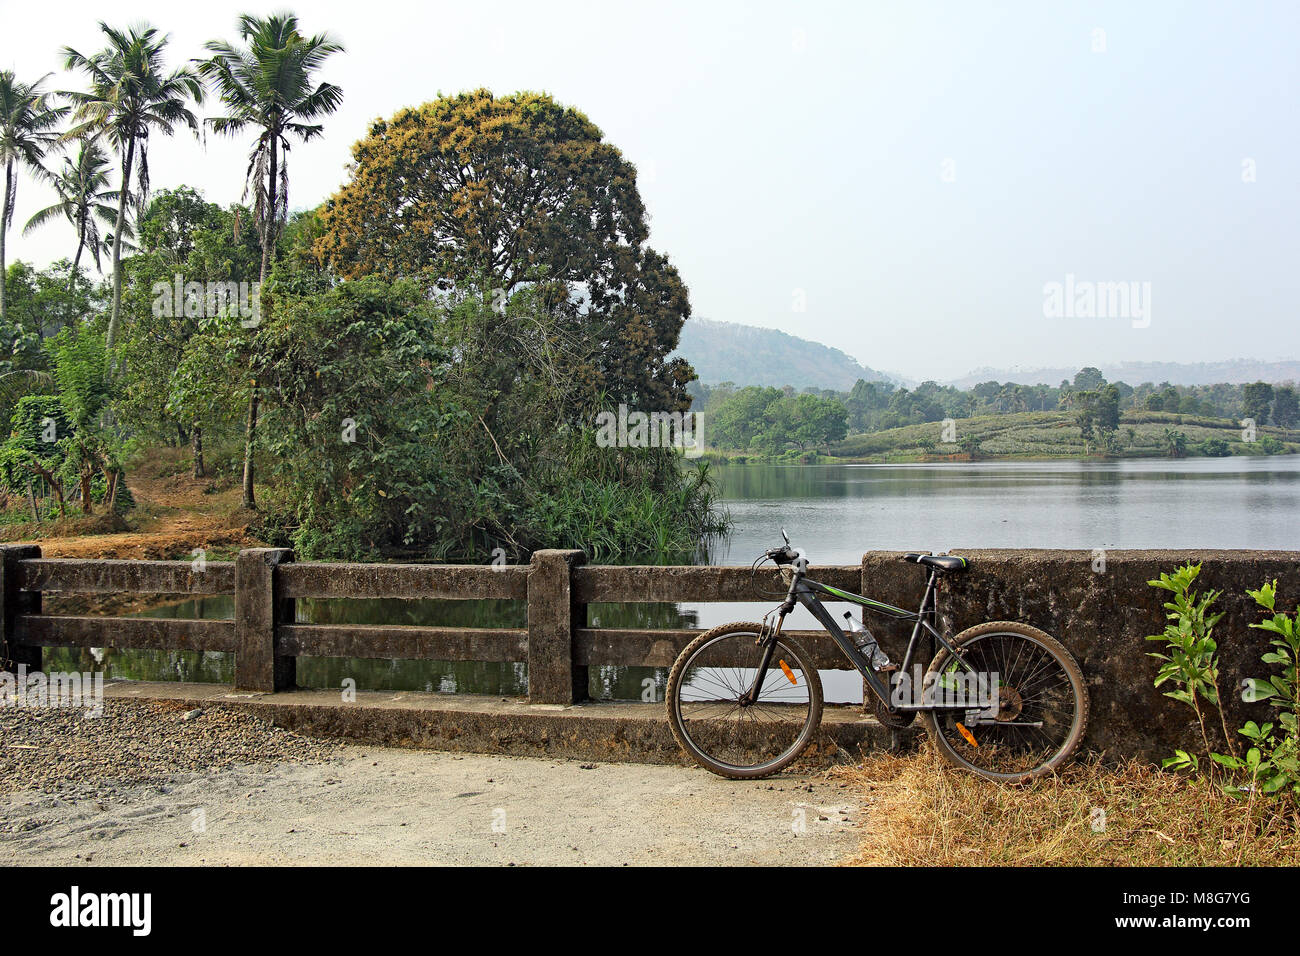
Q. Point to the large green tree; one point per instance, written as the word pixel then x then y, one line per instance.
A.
pixel 1286 406
pixel 178 389
pixel 1256 399
pixel 132 96
pixel 270 87
pixel 511 191
pixel 28 130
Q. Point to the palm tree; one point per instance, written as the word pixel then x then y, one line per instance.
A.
pixel 269 86
pixel 28 119
pixel 130 96
pixel 85 201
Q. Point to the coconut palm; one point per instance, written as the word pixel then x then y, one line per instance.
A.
pixel 268 86
pixel 28 121
pixel 130 96
pixel 85 201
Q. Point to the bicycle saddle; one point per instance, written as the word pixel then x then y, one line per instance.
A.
pixel 940 562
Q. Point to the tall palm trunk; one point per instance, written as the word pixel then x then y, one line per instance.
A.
pixel 4 221
pixel 76 260
pixel 115 318
pixel 81 244
pixel 268 244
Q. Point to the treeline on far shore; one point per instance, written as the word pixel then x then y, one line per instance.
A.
pixel 1086 416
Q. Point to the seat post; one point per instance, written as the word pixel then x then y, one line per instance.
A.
pixel 931 588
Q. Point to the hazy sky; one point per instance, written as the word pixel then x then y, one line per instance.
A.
pixel 911 174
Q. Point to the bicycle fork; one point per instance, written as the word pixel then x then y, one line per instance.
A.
pixel 768 642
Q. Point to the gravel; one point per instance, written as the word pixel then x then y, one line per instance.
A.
pixel 137 742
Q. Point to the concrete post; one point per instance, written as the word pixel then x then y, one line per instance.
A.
pixel 553 678
pixel 258 609
pixel 14 602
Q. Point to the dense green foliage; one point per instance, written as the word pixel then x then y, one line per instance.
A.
pixel 772 421
pixel 171 390
pixel 67 439
pixel 405 422
pixel 427 384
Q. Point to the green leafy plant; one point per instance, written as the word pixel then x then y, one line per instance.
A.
pixel 1190 664
pixel 1273 759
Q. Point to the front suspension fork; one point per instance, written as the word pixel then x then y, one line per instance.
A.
pixel 768 641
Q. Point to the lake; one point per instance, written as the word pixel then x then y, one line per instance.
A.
pixel 833 512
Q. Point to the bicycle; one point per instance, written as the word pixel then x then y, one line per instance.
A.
pixel 1002 699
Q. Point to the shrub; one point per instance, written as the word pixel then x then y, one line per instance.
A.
pixel 1271 762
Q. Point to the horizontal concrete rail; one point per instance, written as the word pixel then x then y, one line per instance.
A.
pixel 125 577
pixel 143 633
pixel 450 582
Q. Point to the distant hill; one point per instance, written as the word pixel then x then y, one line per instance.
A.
pixel 747 355
pixel 1232 371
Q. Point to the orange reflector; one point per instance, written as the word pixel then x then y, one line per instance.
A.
pixel 788 673
pixel 970 738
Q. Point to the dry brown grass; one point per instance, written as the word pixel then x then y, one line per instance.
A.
pixel 921 812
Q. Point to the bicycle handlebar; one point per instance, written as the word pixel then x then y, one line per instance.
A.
pixel 782 555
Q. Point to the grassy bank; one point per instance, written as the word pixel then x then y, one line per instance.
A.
pixel 1046 435
pixel 924 813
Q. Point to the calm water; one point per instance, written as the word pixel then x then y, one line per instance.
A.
pixel 833 512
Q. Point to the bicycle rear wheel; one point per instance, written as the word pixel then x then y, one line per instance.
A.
pixel 1042 703
pixel 743 740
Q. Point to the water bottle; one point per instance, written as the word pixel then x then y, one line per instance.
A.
pixel 860 636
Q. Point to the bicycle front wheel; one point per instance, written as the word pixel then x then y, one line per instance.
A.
pixel 1039 702
pixel 717 727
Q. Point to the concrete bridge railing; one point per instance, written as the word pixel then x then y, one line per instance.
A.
pixel 1100 607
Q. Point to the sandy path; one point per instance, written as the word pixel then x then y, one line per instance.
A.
pixel 382 806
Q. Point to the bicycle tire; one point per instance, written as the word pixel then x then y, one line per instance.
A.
pixel 970 638
pixel 696 748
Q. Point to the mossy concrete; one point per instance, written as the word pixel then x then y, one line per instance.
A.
pixel 630 732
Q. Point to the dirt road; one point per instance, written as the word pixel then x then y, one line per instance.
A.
pixel 375 806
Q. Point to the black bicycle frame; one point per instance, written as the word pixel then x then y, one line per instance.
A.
pixel 807 592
